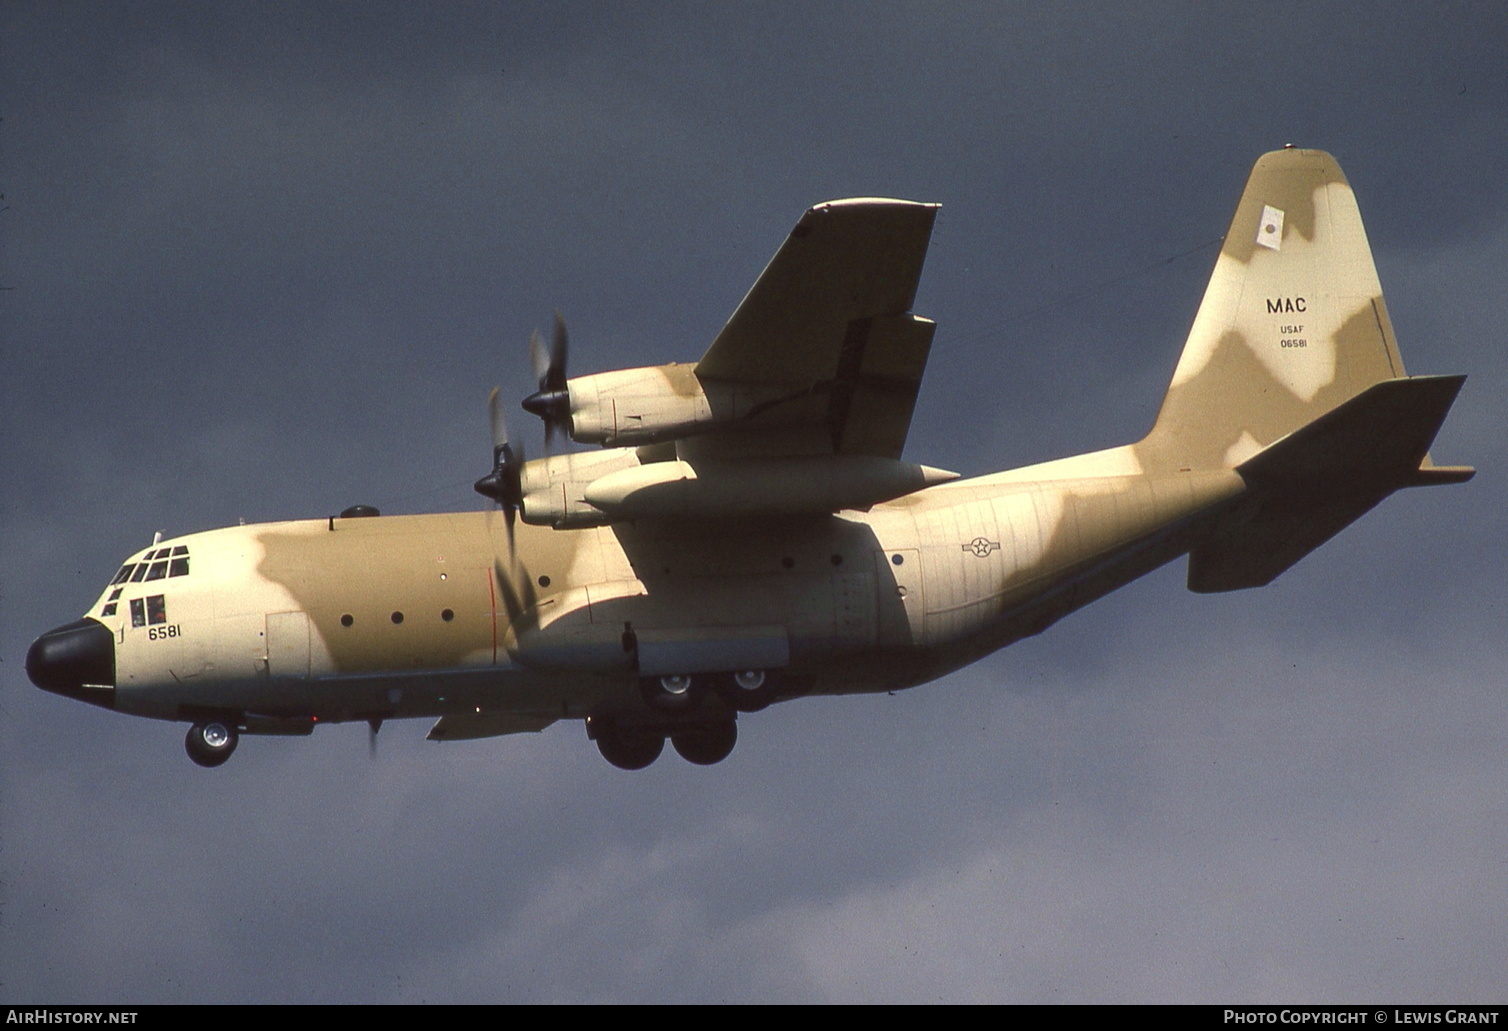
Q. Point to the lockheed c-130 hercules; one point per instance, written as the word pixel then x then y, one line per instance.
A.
pixel 748 532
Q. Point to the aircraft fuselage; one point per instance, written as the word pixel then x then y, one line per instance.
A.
pixel 433 615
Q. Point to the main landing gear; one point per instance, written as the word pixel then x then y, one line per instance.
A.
pixel 211 742
pixel 705 744
pixel 695 711
pixel 630 746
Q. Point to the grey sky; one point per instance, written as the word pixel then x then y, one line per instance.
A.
pixel 267 262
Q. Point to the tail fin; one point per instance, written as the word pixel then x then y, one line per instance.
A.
pixel 1292 324
pixel 1291 376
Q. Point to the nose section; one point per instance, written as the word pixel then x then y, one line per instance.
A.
pixel 76 660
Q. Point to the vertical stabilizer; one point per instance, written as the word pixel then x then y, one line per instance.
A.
pixel 1292 323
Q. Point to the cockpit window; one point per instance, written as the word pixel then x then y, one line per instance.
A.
pixel 155 565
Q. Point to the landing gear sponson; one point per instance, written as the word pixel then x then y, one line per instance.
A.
pixel 696 712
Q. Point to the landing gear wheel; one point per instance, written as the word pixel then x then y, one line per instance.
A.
pixel 210 742
pixel 629 749
pixel 705 743
pixel 748 690
pixel 673 692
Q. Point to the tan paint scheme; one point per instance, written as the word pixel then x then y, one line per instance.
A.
pixel 1292 329
pixel 841 619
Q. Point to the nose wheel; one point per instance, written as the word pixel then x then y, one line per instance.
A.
pixel 210 742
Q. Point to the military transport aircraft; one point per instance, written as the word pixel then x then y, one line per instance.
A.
pixel 748 532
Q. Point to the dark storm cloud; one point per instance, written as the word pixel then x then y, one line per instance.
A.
pixel 268 262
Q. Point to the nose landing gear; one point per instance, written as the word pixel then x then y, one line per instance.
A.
pixel 210 742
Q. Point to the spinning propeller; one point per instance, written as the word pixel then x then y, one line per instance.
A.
pixel 502 484
pixel 552 402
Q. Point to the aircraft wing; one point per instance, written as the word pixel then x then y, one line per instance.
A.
pixel 826 335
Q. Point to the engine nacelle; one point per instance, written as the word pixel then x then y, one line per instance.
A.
pixel 554 488
pixel 658 403
pixel 638 406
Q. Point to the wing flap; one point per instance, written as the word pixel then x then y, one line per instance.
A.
pixel 870 408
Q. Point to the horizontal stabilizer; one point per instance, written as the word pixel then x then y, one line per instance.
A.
pixel 1316 481
pixel 1382 434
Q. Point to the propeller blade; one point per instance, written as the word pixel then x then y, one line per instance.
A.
pixel 539 358
pixel 373 726
pixel 558 344
pixel 503 484
pixel 512 604
pixel 499 423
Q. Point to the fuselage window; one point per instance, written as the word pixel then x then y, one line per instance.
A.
pixel 115 594
pixel 138 612
pixel 108 610
pixel 140 574
pixel 178 567
pixel 158 570
pixel 125 571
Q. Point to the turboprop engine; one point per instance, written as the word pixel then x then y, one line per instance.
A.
pixel 645 406
pixel 659 403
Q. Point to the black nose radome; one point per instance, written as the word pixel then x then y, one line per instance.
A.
pixel 77 660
